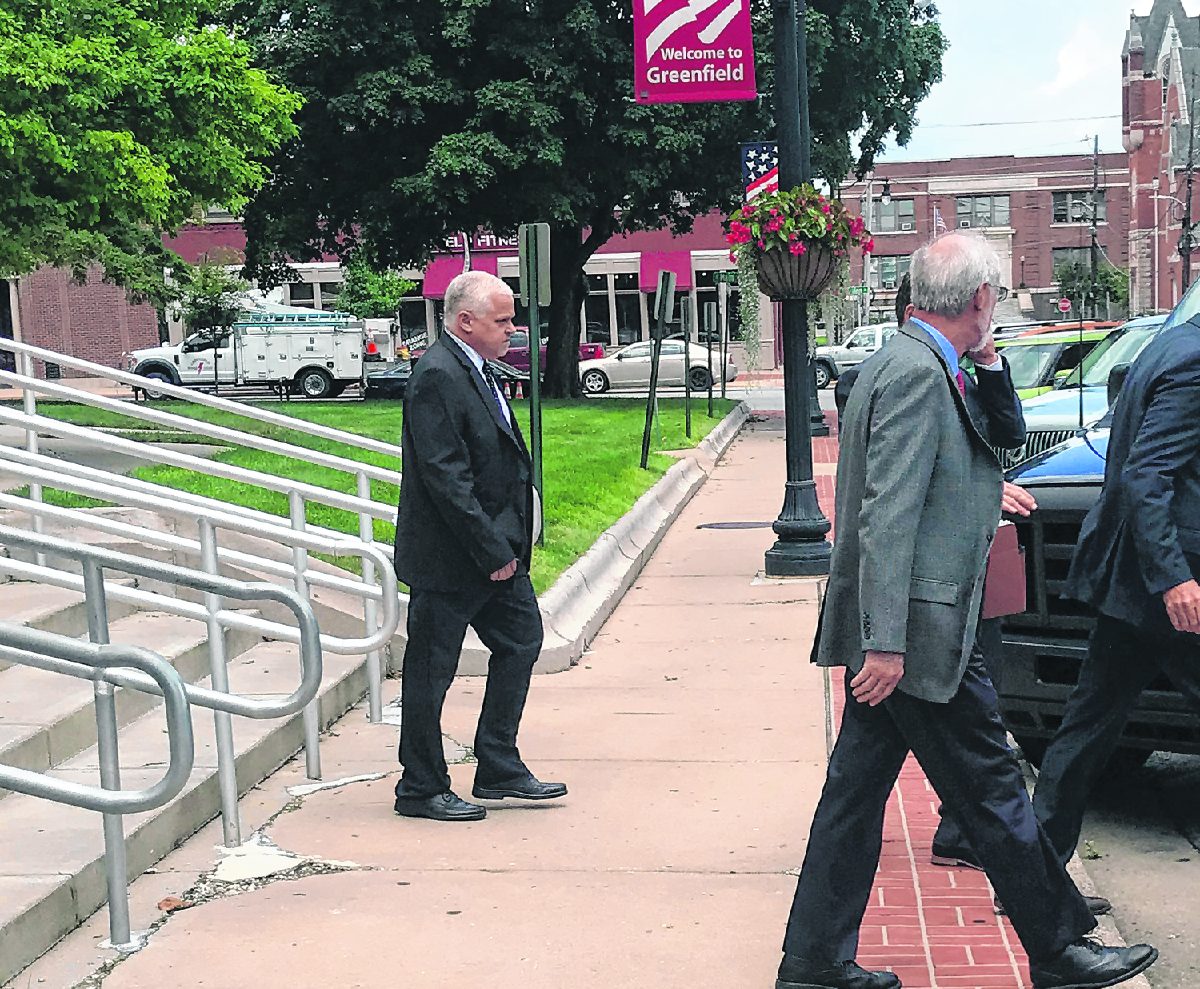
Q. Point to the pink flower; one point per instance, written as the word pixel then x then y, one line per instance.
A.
pixel 732 256
pixel 798 249
pixel 775 223
pixel 825 208
pixel 762 244
pixel 857 226
pixel 868 246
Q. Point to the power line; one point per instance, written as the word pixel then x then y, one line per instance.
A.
pixel 1019 123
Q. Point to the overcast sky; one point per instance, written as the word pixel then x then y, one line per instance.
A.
pixel 1034 61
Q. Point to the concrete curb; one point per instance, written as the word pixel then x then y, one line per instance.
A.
pixel 582 599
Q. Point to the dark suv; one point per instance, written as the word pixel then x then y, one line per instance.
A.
pixel 1043 647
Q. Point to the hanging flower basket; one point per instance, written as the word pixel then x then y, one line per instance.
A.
pixel 783 275
pixel 797 239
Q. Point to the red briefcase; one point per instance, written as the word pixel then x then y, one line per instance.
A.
pixel 1004 584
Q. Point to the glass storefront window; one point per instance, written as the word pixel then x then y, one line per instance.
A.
pixel 629 316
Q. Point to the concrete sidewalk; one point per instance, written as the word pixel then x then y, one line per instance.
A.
pixel 693 738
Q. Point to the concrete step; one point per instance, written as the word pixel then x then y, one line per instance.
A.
pixel 46 718
pixel 52 856
pixel 51 609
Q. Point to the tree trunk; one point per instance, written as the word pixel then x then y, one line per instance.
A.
pixel 568 286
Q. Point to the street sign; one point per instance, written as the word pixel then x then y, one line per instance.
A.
pixel 533 252
pixel 725 277
pixel 860 289
pixel 664 298
pixel 1064 305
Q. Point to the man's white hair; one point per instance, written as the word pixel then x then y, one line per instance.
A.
pixel 948 272
pixel 471 292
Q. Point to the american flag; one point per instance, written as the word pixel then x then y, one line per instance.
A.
pixel 760 168
pixel 939 225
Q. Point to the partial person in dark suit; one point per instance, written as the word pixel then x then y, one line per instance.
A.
pixel 918 502
pixel 995 409
pixel 464 538
pixel 1136 564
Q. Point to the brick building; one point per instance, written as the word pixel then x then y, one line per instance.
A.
pixel 1035 211
pixel 1160 65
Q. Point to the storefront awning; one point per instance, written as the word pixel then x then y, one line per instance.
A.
pixel 442 271
pixel 653 262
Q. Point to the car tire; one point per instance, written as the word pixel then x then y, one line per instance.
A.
pixel 156 375
pixel 824 377
pixel 594 382
pixel 698 378
pixel 314 383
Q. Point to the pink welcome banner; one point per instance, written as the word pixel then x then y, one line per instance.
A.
pixel 692 51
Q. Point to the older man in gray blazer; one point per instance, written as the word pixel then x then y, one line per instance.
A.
pixel 918 501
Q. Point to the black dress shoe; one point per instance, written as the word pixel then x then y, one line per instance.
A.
pixel 1099 905
pixel 954 857
pixel 1085 964
pixel 797 972
pixel 447 806
pixel 524 787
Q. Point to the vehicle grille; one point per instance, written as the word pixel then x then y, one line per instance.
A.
pixel 1049 541
pixel 1037 441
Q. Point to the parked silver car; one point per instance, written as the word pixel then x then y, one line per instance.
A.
pixel 629 367
pixel 831 361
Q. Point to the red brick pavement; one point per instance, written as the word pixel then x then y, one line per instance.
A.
pixel 934 927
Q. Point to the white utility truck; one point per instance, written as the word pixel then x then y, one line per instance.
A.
pixel 297 351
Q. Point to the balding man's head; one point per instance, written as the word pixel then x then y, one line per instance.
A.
pixel 480 311
pixel 948 272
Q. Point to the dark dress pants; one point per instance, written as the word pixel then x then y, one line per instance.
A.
pixel 1121 662
pixel 506 618
pixel 988 650
pixel 962 749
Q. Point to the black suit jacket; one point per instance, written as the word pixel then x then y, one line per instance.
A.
pixel 992 402
pixel 1142 537
pixel 466 496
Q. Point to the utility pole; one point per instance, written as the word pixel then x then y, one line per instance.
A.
pixel 1093 201
pixel 1185 239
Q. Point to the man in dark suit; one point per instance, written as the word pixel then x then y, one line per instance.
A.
pixel 918 502
pixel 995 409
pixel 464 537
pixel 1136 564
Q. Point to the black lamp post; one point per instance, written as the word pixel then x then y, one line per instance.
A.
pixel 801 549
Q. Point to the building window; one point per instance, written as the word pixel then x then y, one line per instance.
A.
pixel 1074 207
pixel 897 216
pixel 329 293
pixel 983 211
pixel 301 294
pixel 706 292
pixel 887 272
pixel 1071 255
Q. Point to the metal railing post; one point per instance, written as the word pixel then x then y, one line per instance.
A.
pixel 312 710
pixel 222 721
pixel 366 532
pixel 29 407
pixel 116 867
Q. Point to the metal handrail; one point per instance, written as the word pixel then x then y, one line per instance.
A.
pixel 143 451
pixel 40 467
pixel 200 427
pixel 199 398
pixel 308 631
pixel 95 661
pixel 87 661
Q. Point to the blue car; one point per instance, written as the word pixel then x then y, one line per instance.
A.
pixel 1042 648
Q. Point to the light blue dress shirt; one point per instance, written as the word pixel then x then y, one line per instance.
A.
pixel 476 360
pixel 944 345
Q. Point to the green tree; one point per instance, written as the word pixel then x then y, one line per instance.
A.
pixel 210 295
pixel 427 117
pixel 119 121
pixel 372 294
pixel 1075 282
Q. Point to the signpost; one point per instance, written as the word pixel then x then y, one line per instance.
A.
pixel 664 307
pixel 533 247
pixel 710 331
pixel 685 316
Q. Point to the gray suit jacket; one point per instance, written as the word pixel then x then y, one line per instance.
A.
pixel 918 501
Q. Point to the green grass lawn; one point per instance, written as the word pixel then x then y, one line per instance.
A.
pixel 591 454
